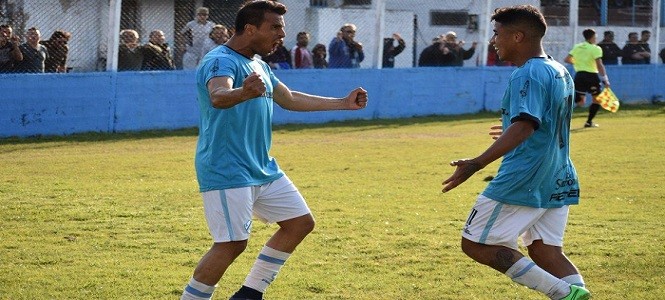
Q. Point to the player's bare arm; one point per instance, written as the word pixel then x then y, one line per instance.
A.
pixel 514 135
pixel 298 101
pixel 223 95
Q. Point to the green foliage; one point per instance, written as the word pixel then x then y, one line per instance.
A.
pixel 98 216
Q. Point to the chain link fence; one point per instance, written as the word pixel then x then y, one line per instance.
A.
pixel 95 25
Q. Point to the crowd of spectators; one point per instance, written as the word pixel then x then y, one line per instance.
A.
pixel 201 35
pixel 34 55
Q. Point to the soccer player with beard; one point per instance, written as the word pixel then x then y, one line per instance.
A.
pixel 237 177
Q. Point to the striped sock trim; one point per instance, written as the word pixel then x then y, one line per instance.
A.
pixel 271 260
pixel 197 293
pixel 524 270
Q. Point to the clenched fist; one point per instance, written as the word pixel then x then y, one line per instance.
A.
pixel 253 86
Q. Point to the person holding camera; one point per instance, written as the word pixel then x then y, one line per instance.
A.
pixel 390 50
pixel 455 47
pixel 10 53
pixel 344 51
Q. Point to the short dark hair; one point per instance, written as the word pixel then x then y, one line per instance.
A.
pixel 61 34
pixel 588 33
pixel 253 12
pixel 528 17
pixel 608 33
pixel 646 32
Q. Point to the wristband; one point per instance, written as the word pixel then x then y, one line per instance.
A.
pixel 604 78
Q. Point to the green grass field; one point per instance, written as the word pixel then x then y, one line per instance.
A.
pixel 99 216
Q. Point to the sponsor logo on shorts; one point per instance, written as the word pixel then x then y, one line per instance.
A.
pixel 466 230
pixel 472 215
pixel 248 226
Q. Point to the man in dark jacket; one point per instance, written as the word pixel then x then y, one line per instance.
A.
pixel 390 50
pixel 156 53
pixel 611 51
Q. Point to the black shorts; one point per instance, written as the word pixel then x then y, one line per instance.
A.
pixel 586 82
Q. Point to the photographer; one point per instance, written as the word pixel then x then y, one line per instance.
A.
pixel 10 54
pixel 344 51
pixel 454 47
pixel 390 50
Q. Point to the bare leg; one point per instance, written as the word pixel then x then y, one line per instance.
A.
pixel 499 258
pixel 551 259
pixel 214 263
pixel 220 256
pixel 279 247
pixel 291 233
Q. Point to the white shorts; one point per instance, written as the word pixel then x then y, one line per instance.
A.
pixel 494 223
pixel 229 212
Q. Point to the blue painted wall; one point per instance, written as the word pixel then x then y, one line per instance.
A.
pixel 56 104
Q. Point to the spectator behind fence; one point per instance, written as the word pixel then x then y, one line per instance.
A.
pixel 130 53
pixel 218 36
pixel 319 55
pixel 434 55
pixel 280 58
pixel 300 55
pixel 662 55
pixel 633 52
pixel 56 61
pixel 390 50
pixel 156 53
pixel 10 53
pixel 644 42
pixel 611 51
pixel 34 53
pixel 455 47
pixel 195 33
pixel 344 51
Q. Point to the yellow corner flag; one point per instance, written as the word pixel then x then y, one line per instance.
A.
pixel 608 100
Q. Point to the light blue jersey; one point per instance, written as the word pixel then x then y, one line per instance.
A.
pixel 234 143
pixel 538 172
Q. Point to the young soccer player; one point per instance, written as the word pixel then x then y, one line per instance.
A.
pixel 536 182
pixel 236 175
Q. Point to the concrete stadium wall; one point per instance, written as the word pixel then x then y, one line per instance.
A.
pixel 56 104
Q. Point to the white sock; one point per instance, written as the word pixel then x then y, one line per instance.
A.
pixel 527 273
pixel 575 279
pixel 197 291
pixel 265 268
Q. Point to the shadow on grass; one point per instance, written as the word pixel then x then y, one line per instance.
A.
pixel 356 125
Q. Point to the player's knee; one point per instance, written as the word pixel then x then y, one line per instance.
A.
pixel 540 252
pixel 308 225
pixel 233 248
pixel 300 226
